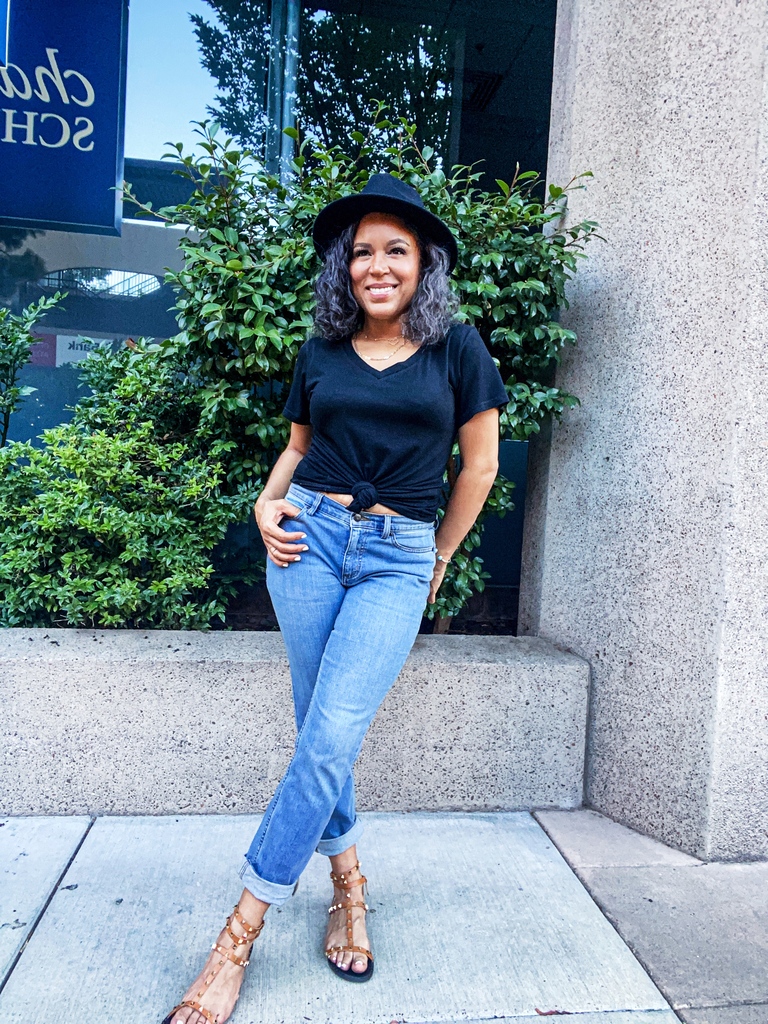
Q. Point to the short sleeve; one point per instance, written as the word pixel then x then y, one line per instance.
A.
pixel 296 407
pixel 479 385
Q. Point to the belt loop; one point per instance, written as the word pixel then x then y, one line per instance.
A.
pixel 387 526
pixel 315 503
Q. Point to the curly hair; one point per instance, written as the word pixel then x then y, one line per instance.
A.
pixel 431 310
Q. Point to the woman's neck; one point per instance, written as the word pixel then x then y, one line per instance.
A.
pixel 381 330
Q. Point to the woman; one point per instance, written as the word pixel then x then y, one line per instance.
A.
pixel 348 520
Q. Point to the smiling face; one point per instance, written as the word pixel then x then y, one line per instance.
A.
pixel 384 267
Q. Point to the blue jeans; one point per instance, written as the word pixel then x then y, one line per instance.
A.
pixel 349 612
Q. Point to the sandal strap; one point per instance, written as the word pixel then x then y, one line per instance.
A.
pixel 251 931
pixel 192 1005
pixel 350 949
pixel 242 940
pixel 343 874
pixel 229 954
pixel 339 883
pixel 343 906
pixel 343 882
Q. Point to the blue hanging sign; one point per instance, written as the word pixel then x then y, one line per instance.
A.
pixel 62 114
pixel 5 15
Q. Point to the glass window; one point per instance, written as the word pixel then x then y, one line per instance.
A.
pixel 474 75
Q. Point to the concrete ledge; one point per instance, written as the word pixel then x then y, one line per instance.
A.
pixel 158 722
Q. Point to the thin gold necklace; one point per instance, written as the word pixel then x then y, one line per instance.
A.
pixel 380 359
pixel 367 337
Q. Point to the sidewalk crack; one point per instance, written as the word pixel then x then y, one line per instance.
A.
pixel 38 919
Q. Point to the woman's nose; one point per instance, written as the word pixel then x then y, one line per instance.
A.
pixel 379 263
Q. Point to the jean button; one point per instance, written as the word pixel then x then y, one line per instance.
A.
pixel 357 516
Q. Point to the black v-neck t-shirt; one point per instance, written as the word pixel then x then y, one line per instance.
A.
pixel 385 435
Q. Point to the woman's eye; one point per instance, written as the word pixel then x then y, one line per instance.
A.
pixel 398 251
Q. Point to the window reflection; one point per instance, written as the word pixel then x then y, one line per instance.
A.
pixel 96 281
pixel 474 75
pixel 347 61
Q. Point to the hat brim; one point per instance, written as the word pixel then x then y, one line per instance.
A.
pixel 339 214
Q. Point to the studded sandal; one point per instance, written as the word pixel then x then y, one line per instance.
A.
pixel 343 882
pixel 250 934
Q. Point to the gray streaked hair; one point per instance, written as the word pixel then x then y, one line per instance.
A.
pixel 429 315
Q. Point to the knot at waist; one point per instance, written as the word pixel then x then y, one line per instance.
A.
pixel 363 496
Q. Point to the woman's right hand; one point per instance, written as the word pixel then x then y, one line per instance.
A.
pixel 282 547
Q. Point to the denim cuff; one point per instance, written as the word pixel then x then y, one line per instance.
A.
pixel 267 892
pixel 332 847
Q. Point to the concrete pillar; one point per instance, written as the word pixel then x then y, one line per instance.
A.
pixel 646 547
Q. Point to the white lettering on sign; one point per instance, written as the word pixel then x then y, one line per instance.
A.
pixel 57 78
pixel 84 132
pixel 52 85
pixel 27 126
pixel 73 348
pixel 9 88
pixel 64 133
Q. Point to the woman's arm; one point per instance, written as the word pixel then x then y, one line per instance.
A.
pixel 271 505
pixel 479 448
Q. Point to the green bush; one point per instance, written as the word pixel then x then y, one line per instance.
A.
pixel 112 521
pixel 244 295
pixel 15 352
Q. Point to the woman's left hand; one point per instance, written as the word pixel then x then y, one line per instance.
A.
pixel 437 579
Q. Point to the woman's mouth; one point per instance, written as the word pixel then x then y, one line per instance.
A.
pixel 381 289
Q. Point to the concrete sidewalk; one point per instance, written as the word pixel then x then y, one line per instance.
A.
pixel 701 930
pixel 475 917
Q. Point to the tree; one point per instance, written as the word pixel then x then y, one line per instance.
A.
pixel 16 343
pixel 344 62
pixel 17 266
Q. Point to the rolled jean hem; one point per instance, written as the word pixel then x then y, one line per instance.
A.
pixel 332 847
pixel 268 892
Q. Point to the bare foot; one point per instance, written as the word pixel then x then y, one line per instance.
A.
pixel 336 933
pixel 217 987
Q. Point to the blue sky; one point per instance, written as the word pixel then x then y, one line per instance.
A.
pixel 166 87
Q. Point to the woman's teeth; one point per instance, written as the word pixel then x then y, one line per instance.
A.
pixel 383 290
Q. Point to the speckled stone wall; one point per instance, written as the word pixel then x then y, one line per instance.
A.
pixel 164 722
pixel 646 546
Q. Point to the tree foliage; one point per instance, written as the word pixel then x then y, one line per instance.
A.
pixel 112 522
pixel 18 264
pixel 343 60
pixel 16 342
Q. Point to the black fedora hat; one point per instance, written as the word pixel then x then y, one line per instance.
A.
pixel 382 194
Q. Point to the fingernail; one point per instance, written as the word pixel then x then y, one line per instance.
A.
pixel 297 558
pixel 305 547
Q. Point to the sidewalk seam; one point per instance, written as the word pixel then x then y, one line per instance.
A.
pixel 723 1006
pixel 608 918
pixel 535 1016
pixel 38 919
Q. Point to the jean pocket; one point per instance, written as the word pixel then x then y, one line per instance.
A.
pixel 415 542
pixel 300 505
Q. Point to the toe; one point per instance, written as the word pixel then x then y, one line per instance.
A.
pixel 360 964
